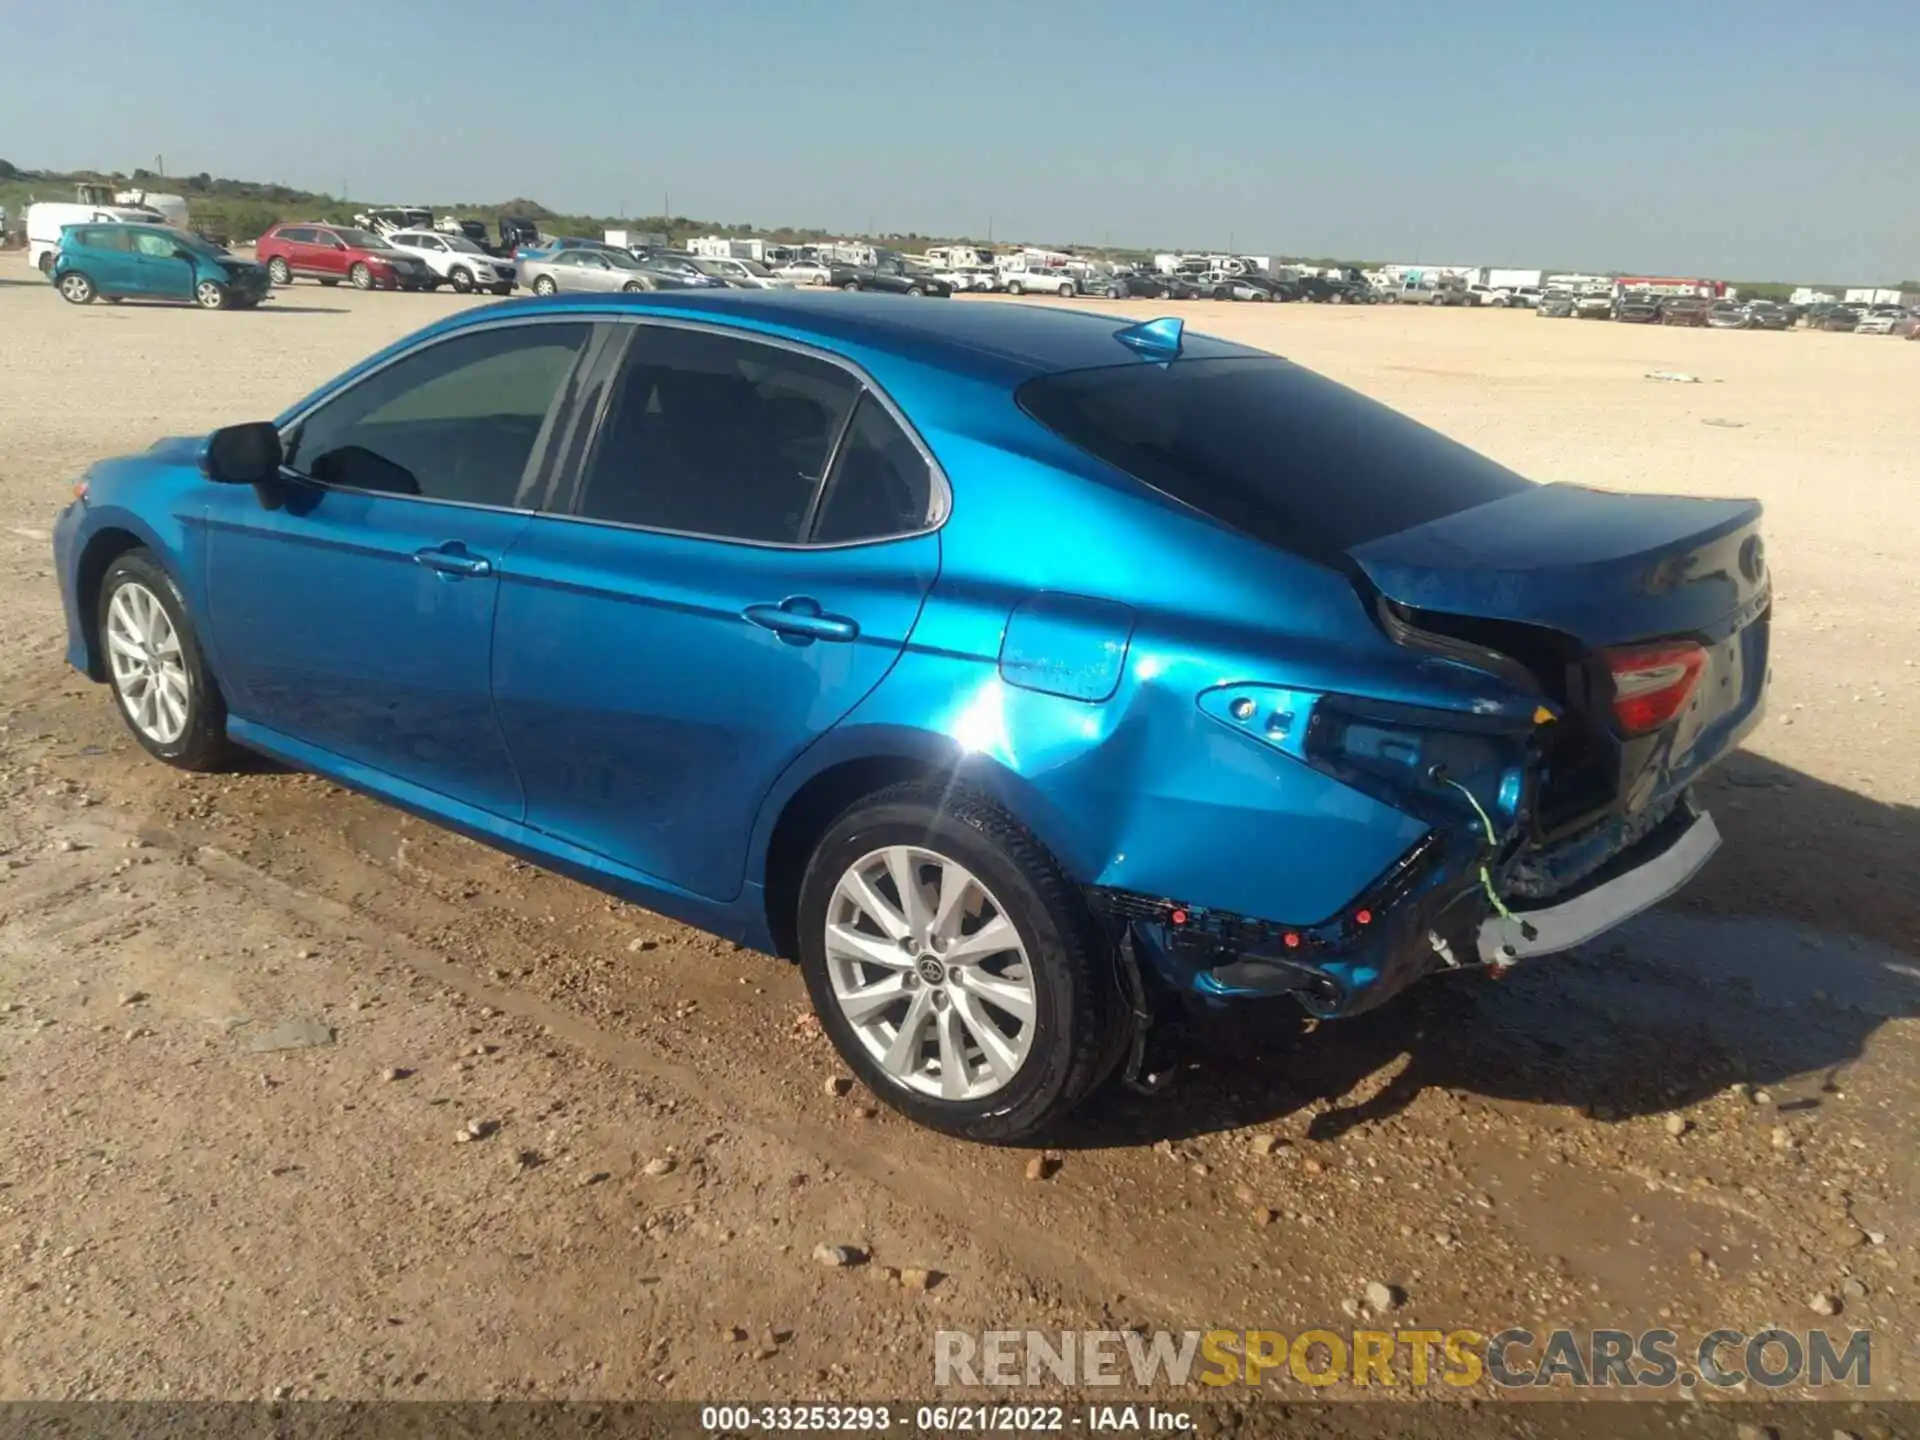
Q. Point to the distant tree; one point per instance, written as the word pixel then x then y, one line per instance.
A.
pixel 200 181
pixel 7 170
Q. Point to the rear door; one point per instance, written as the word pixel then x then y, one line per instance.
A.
pixel 108 258
pixel 744 545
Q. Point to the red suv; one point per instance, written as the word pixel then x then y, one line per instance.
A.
pixel 332 253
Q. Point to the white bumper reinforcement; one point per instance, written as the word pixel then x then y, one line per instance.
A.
pixel 1576 921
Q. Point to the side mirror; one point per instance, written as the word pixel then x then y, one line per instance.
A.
pixel 243 454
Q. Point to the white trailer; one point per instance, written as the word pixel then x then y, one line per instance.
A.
pixel 1869 295
pixel 639 240
pixel 1807 295
pixel 1495 277
pixel 172 207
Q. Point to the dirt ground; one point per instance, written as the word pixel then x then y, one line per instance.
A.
pixel 185 1212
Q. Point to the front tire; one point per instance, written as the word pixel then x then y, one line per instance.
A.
pixel 76 289
pixel 210 295
pixel 160 681
pixel 954 967
pixel 278 271
pixel 462 280
pixel 361 277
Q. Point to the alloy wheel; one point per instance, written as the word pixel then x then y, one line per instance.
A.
pixel 149 668
pixel 930 973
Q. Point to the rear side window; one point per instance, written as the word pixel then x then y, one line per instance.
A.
pixel 881 484
pixel 295 235
pixel 1274 451
pixel 106 237
pixel 711 435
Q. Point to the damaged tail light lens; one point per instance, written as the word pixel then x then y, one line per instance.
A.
pixel 1652 683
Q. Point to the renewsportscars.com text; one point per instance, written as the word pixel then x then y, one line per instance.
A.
pixel 1515 1358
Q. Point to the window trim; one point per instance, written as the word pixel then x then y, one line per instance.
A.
pixel 599 361
pixel 940 490
pixel 551 424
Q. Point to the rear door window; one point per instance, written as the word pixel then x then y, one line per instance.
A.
pixel 714 435
pixel 1269 449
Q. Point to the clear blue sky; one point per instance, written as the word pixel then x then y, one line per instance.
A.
pixel 1745 138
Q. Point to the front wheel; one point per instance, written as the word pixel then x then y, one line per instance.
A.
pixel 160 680
pixel 210 295
pixel 462 279
pixel 76 289
pixel 361 277
pixel 278 271
pixel 954 967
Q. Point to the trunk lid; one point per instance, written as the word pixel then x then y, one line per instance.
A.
pixel 1556 576
pixel 1603 567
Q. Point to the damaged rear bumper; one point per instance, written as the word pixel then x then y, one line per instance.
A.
pixel 1635 880
pixel 1430 912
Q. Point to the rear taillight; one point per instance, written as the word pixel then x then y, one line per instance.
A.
pixel 1652 683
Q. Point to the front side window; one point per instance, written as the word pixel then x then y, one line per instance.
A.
pixel 457 420
pixel 711 435
pixel 148 242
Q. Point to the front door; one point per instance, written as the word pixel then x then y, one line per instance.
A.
pixel 162 271
pixel 357 617
pixel 706 608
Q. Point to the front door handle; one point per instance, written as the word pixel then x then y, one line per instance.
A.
pixel 801 621
pixel 453 560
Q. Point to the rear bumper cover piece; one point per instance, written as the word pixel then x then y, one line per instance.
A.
pixel 1639 878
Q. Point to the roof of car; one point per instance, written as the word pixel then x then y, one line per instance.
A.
pixel 1016 340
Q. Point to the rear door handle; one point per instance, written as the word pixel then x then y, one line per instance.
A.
pixel 453 560
pixel 800 621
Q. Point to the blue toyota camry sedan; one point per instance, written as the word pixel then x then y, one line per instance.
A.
pixel 1019 672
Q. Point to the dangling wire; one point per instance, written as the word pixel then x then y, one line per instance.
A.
pixel 1486 880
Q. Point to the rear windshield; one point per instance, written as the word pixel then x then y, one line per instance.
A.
pixel 1277 452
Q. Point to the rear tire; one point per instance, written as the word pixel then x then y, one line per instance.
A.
pixel 76 289
pixel 1054 964
pixel 278 271
pixel 1014 287
pixel 164 691
pixel 545 286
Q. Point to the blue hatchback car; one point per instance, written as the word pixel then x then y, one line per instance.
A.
pixel 153 262
pixel 1018 672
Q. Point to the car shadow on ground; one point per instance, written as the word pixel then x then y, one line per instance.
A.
pixel 1784 957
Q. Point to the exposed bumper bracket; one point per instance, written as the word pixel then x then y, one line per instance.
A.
pixel 1594 911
